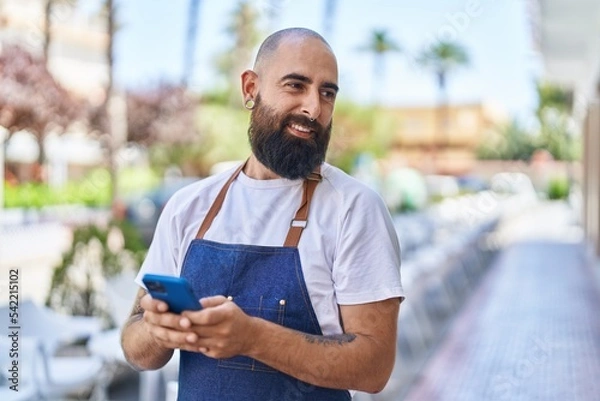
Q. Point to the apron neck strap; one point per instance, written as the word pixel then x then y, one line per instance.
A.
pixel 300 220
pixel 216 206
pixel 297 225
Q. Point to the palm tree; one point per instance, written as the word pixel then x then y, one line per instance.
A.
pixel 243 29
pixel 380 44
pixel 190 41
pixel 443 58
pixel 328 18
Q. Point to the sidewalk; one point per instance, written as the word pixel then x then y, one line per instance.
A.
pixel 531 330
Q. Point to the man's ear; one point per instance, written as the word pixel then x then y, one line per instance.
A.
pixel 249 85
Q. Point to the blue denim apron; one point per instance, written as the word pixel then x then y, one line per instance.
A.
pixel 264 281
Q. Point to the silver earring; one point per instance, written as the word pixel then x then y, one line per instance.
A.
pixel 249 104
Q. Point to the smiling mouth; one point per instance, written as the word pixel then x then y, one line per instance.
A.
pixel 299 130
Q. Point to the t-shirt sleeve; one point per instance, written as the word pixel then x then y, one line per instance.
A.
pixel 162 253
pixel 367 263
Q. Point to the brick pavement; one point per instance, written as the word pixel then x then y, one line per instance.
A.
pixel 531 331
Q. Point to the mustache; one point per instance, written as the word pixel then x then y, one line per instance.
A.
pixel 303 120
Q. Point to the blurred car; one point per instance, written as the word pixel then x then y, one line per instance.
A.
pixel 142 210
pixel 472 184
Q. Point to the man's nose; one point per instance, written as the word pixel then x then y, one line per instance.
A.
pixel 311 106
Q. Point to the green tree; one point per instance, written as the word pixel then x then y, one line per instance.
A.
pixel 379 45
pixel 508 142
pixel 31 99
pixel 442 58
pixel 556 127
pixel 243 29
pixel 552 96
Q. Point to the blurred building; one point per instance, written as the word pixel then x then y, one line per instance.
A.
pixel 442 139
pixel 77 53
pixel 567 34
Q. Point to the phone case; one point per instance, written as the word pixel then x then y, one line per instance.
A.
pixel 175 291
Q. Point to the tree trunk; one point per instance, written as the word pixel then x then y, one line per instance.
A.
pixel 110 30
pixel 328 18
pixel 47 29
pixel 441 140
pixel 190 42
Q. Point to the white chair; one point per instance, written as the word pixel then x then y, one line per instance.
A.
pixel 18 381
pixel 120 291
pixel 54 329
pixel 47 376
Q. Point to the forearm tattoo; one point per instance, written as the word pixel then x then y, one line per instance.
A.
pixel 137 312
pixel 335 339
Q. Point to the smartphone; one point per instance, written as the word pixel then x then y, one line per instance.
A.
pixel 175 291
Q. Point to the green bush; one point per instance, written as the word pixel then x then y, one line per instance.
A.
pixel 558 188
pixel 96 253
pixel 93 190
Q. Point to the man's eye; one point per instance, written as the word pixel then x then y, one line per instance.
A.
pixel 294 85
pixel 328 94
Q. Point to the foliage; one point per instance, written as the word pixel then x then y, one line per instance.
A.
pixel 556 128
pixel 225 132
pixel 92 191
pixel 164 114
pixel 442 58
pixel 551 96
pixel 380 44
pixel 96 253
pixel 558 188
pixel 556 132
pixel 30 98
pixel 358 129
pixel 136 179
pixel 508 142
pixel 243 29
pixel 557 135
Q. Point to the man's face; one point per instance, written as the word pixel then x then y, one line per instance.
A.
pixel 287 155
pixel 291 122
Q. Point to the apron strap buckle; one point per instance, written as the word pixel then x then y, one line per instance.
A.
pixel 298 223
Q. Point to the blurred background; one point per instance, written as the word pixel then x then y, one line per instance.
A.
pixel 477 121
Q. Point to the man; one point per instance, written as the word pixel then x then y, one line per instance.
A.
pixel 309 320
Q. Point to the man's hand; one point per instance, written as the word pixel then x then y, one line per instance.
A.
pixel 169 330
pixel 220 330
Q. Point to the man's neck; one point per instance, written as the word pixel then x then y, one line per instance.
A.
pixel 256 170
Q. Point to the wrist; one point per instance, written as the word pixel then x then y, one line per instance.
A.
pixel 254 336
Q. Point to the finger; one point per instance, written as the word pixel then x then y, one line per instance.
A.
pixel 210 302
pixel 150 304
pixel 166 319
pixel 167 337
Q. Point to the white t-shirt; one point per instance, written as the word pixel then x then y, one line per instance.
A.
pixel 349 249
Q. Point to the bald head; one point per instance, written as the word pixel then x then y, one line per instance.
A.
pixel 270 45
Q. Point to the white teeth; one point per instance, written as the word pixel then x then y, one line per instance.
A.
pixel 300 128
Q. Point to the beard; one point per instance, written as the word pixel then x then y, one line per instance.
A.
pixel 286 155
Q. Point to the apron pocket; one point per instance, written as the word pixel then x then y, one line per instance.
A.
pixel 272 310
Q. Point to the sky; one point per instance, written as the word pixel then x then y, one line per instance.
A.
pixel 496 33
